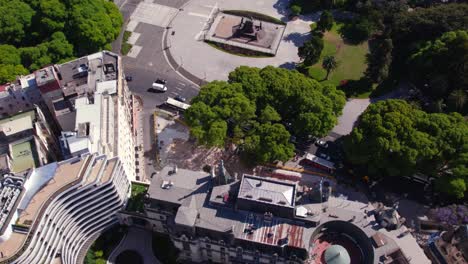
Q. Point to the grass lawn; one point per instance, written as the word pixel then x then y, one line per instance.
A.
pixel 135 203
pixel 351 58
pixel 101 249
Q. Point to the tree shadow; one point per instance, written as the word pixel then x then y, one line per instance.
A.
pixel 282 7
pixel 296 38
pixel 288 65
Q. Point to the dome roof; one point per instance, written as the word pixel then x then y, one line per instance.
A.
pixel 337 254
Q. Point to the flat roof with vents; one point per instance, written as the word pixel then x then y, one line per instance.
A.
pixel 267 190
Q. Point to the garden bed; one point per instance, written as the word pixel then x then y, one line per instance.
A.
pixel 254 15
pixel 237 50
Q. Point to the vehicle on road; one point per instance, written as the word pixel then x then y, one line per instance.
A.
pixel 160 81
pixel 128 78
pixel 180 98
pixel 321 143
pixel 324 156
pixel 319 163
pixel 159 87
pixel 153 90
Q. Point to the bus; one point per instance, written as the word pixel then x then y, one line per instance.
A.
pixel 320 163
pixel 176 104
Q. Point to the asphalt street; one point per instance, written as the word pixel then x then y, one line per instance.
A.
pixel 145 68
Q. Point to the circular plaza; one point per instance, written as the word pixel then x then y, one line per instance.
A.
pixel 203 21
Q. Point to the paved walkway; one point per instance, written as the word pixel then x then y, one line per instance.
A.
pixel 138 240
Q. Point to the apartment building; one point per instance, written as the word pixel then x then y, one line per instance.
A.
pixel 65 204
pixel 211 217
pixel 26 141
pixel 87 101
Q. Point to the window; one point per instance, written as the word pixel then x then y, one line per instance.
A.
pixel 223 249
pixel 208 246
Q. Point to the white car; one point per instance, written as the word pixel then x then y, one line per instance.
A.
pixel 159 86
pixel 321 143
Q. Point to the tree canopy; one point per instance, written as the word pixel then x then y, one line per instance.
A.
pixel 310 51
pixel 440 66
pixel 325 22
pixel 34 33
pixel 259 109
pixel 395 139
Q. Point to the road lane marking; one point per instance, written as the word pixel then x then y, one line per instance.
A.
pixel 198 15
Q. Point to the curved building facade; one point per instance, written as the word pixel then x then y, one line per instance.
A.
pixel 74 212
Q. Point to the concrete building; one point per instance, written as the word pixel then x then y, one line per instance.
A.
pixel 210 218
pixel 26 141
pixel 19 96
pixel 87 101
pixel 64 206
pixel 449 247
pixel 95 109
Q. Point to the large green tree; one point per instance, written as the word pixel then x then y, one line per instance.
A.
pixel 259 109
pixel 325 22
pixel 93 25
pixel 394 139
pixel 15 20
pixel 441 66
pixel 310 51
pixel 43 32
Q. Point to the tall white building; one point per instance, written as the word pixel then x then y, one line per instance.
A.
pixel 64 205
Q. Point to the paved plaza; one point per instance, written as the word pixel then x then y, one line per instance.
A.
pixel 186 45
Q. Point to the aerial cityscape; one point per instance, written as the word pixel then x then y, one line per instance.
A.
pixel 234 131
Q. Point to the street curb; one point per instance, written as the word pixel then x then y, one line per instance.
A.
pixel 172 62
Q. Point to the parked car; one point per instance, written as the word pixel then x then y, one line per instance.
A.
pixel 128 78
pixel 180 98
pixel 321 143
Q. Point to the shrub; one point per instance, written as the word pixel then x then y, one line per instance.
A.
pixel 313 26
pixel 254 15
pixel 296 10
pixel 126 47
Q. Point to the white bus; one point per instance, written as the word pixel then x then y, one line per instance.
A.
pixel 176 104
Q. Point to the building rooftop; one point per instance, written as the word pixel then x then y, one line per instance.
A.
pixel 45 75
pixel 179 186
pixel 23 156
pixel 11 188
pixel 274 231
pixel 17 123
pixel 43 185
pixel 214 210
pixel 267 190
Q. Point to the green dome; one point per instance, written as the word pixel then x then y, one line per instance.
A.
pixel 337 254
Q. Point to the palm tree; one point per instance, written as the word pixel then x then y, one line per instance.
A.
pixel 329 63
pixel 458 99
